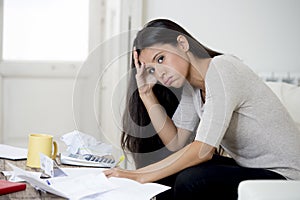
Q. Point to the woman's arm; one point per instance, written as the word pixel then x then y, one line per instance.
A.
pixel 174 138
pixel 192 154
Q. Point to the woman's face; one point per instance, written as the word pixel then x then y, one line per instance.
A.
pixel 167 63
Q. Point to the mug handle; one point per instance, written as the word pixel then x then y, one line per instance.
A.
pixel 55 150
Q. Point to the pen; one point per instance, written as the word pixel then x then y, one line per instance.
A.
pixel 120 160
pixel 48 182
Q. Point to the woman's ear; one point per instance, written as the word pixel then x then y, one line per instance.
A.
pixel 183 43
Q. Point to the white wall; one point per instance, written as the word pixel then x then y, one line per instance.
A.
pixel 264 33
pixel 36 105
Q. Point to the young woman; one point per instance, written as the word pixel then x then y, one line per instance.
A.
pixel 226 104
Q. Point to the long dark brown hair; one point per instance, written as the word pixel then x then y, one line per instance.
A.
pixel 138 136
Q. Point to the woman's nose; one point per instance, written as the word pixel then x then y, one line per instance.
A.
pixel 160 71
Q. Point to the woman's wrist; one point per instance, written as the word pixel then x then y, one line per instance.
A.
pixel 143 177
pixel 146 93
pixel 148 97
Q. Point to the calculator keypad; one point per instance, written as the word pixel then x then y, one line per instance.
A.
pixel 93 158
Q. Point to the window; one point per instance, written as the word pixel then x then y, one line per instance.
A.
pixel 45 30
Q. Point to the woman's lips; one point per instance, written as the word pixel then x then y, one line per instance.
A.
pixel 168 81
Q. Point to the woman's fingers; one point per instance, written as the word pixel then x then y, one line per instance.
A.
pixel 110 173
pixel 142 77
pixel 141 69
pixel 150 79
pixel 122 173
pixel 107 172
pixel 136 58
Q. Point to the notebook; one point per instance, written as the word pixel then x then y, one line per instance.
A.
pixel 12 153
pixel 9 187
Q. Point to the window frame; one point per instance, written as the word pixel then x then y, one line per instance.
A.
pixel 52 68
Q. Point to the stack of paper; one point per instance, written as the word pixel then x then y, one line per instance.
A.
pixel 91 183
pixel 13 153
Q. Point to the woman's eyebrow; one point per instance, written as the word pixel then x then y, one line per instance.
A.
pixel 154 57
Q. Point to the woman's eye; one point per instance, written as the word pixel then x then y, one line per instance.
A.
pixel 160 59
pixel 151 70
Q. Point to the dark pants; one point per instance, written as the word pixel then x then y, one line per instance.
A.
pixel 216 179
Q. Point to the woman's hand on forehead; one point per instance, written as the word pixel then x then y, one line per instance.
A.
pixel 145 81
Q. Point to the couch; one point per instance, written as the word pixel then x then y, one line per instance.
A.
pixel 276 189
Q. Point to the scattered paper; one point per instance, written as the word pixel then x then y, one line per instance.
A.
pixel 11 177
pixel 91 184
pixel 34 179
pixel 71 187
pixel 81 143
pixel 12 153
pixel 82 186
pixel 130 190
pixel 47 165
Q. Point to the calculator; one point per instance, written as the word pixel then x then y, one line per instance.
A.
pixel 88 160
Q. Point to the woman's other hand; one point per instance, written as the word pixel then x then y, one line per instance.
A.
pixel 122 173
pixel 145 80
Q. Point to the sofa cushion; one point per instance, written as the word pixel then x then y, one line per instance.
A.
pixel 289 95
pixel 268 190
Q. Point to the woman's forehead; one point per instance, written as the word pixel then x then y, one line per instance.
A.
pixel 149 53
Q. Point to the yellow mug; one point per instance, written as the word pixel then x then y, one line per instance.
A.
pixel 40 143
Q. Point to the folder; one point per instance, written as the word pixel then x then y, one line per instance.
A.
pixel 9 187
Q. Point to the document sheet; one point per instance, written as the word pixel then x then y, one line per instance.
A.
pixel 91 184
